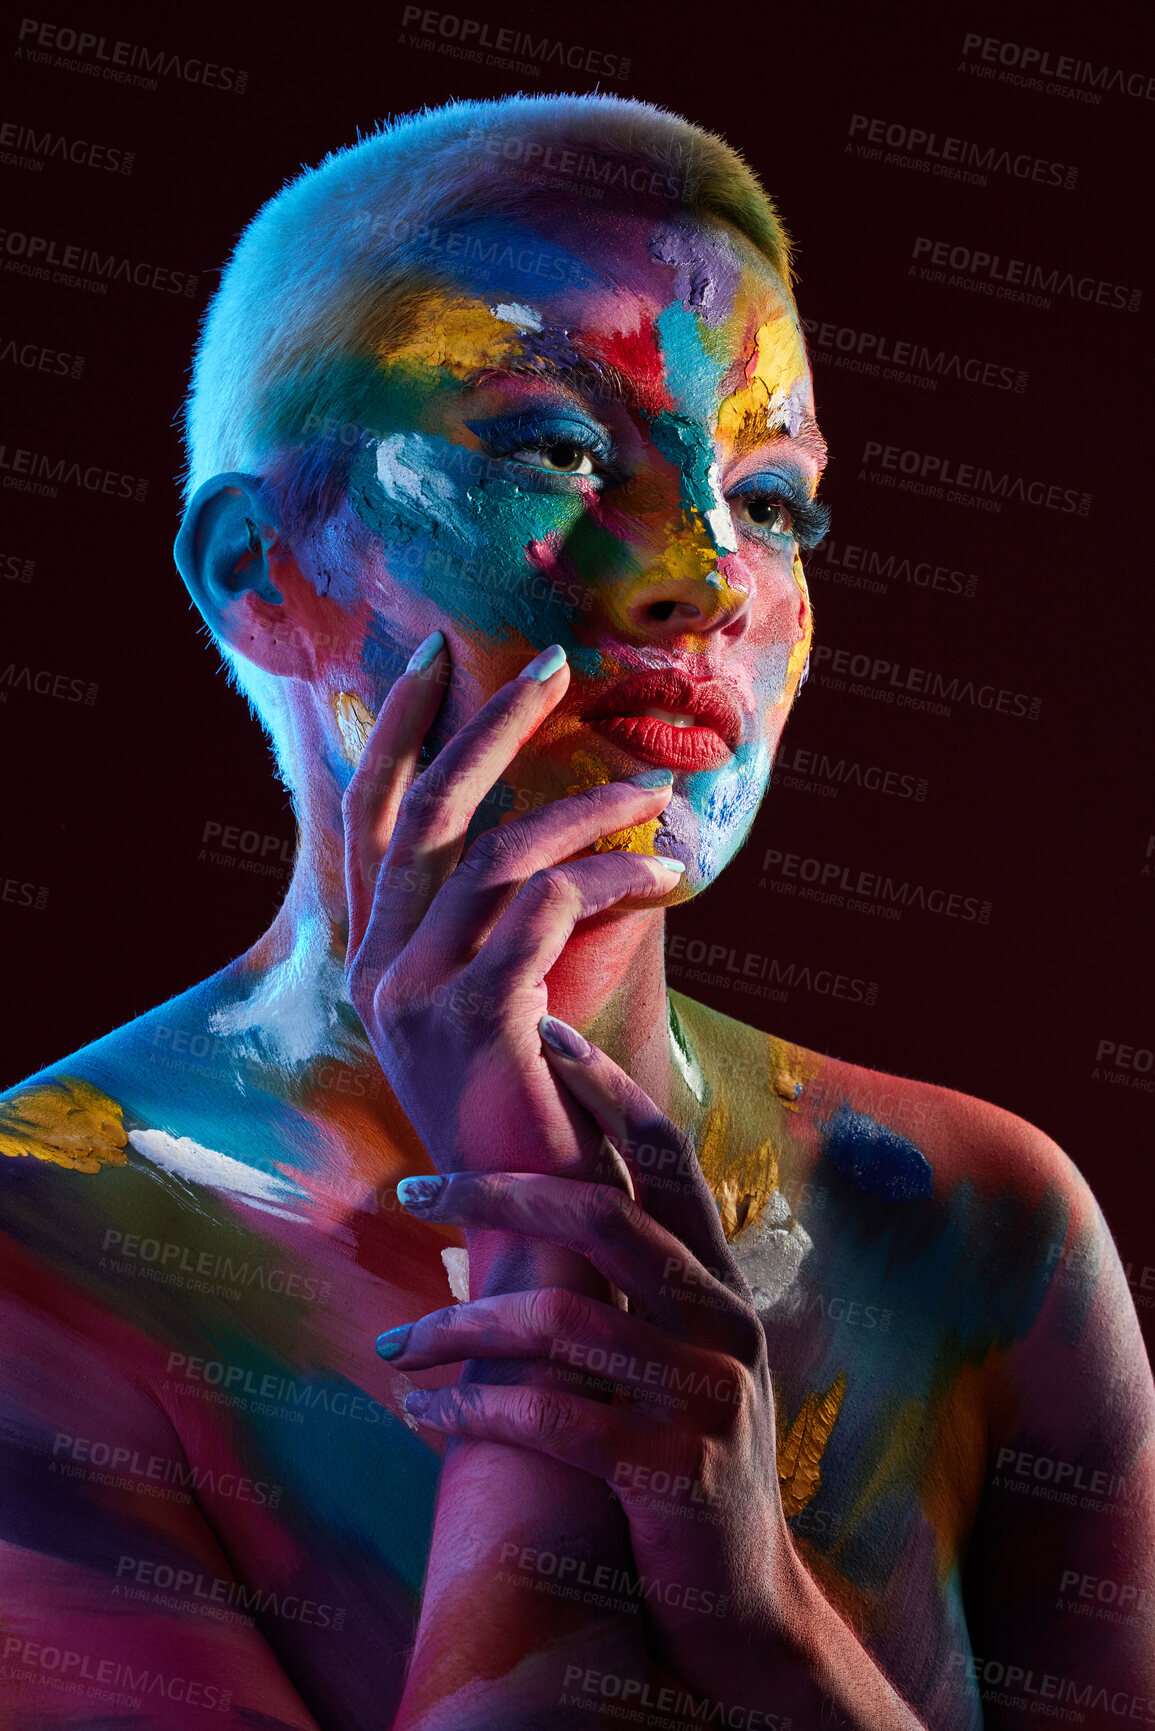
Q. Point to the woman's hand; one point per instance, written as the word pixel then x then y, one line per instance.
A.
pixel 688 1443
pixel 449 946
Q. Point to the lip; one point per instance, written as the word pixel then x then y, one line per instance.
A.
pixel 707 744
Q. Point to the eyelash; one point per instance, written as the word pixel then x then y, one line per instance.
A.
pixel 809 518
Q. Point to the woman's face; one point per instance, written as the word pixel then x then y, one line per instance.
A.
pixel 603 436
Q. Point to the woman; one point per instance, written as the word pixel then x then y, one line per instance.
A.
pixel 502 455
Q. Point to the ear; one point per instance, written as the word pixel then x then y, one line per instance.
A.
pixel 244 578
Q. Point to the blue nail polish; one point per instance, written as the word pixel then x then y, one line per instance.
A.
pixel 425 653
pixel 419 1193
pixel 565 1039
pixel 393 1342
pixel 652 778
pixel 671 865
pixel 417 1401
pixel 543 665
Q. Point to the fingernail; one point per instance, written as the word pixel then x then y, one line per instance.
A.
pixel 417 1401
pixel 425 653
pixel 565 1039
pixel 652 778
pixel 544 664
pixel 419 1193
pixel 671 865
pixel 393 1343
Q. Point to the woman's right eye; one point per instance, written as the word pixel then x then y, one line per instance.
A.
pixel 557 456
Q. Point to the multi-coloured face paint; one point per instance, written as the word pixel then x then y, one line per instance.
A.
pixel 624 463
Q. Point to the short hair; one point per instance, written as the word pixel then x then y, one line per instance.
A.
pixel 332 272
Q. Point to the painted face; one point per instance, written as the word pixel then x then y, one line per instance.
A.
pixel 602 434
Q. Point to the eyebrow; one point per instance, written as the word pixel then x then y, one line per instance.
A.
pixel 601 381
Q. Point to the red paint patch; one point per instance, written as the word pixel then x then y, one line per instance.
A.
pixel 637 356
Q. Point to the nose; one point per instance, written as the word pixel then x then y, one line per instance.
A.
pixel 695 586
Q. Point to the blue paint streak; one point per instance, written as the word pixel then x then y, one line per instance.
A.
pixel 875 1158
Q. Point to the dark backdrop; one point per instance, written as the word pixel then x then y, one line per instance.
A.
pixel 989 482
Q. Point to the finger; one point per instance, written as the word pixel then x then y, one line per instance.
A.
pixel 664 1282
pixel 496 865
pixel 434 812
pixel 670 1182
pixel 531 933
pixel 384 773
pixel 575 1334
pixel 583 1433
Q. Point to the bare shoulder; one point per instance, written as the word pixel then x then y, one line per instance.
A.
pixel 891 1137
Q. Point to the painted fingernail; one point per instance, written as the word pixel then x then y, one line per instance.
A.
pixel 419 1193
pixel 417 1401
pixel 425 653
pixel 544 664
pixel 393 1342
pixel 671 865
pixel 565 1039
pixel 652 778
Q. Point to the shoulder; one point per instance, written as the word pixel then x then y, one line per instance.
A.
pixel 892 1137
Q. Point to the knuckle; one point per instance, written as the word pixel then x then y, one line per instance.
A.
pixel 554 888
pixel 539 1416
pixel 612 1214
pixel 553 1312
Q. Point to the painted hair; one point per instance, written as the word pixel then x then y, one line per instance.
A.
pixel 333 271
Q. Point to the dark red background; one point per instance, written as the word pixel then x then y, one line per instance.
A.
pixel 1049 821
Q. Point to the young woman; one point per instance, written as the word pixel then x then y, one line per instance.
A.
pixel 714 1375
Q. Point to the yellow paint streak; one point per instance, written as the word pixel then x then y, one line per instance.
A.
pixel 354 723
pixel 459 334
pixel 66 1121
pixel 639 838
pixel 790 1065
pixel 741 1181
pixel 801 1449
pixel 757 409
pixel 801 649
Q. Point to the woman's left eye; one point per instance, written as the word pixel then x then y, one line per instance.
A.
pixel 558 456
pixel 767 512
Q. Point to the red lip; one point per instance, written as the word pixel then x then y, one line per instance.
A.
pixel 707 745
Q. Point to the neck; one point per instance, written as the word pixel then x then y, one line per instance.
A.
pixel 609 982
